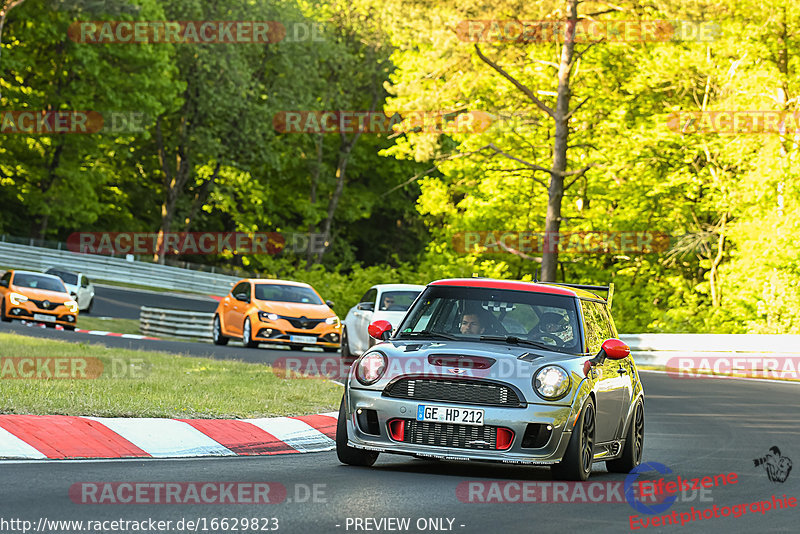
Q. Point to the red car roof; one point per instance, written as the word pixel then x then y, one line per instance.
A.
pixel 505 284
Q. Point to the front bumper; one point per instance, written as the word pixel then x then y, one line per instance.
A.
pixel 282 332
pixel 30 312
pixel 515 419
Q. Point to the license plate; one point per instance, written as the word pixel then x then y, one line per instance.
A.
pixel 302 339
pixel 443 414
pixel 43 317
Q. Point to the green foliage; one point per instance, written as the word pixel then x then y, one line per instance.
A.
pixel 210 160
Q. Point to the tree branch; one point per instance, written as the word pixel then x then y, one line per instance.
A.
pixel 526 91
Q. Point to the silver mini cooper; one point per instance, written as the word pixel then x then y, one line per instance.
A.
pixel 497 370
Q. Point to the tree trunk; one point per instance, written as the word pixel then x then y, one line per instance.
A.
pixel 561 117
pixel 713 278
pixel 313 199
pixel 174 181
pixel 345 150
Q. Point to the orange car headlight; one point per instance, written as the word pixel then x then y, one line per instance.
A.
pixel 17 298
pixel 72 306
pixel 264 316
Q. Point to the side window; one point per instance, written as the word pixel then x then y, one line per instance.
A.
pixel 370 296
pixel 242 287
pixel 85 282
pixel 597 326
pixel 6 277
pixel 611 327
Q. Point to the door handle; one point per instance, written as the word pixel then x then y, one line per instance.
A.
pixel 622 371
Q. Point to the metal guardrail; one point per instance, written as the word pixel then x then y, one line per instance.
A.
pixel 658 349
pixel 18 256
pixel 175 323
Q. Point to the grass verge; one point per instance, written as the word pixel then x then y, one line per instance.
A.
pixel 149 384
pixel 109 324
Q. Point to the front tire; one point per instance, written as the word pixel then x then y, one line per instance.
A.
pixel 577 461
pixel 3 311
pixel 347 454
pixel 247 335
pixel 216 332
pixel 634 444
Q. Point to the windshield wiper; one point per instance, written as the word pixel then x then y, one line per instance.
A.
pixel 427 333
pixel 519 341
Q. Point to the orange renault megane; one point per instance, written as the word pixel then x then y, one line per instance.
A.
pixel 36 297
pixel 277 311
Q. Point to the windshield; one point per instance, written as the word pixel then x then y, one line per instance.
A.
pixel 397 300
pixel 37 281
pixel 469 313
pixel 286 293
pixel 68 278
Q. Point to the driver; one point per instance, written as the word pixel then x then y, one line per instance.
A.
pixel 472 323
pixel 552 325
pixel 388 302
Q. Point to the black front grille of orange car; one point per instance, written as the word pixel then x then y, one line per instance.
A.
pixel 461 391
pixel 303 323
pixel 450 435
pixel 40 304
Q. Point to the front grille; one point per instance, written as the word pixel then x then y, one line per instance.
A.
pixel 40 304
pixel 450 435
pixel 303 323
pixel 462 391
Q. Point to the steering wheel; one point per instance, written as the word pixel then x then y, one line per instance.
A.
pixel 547 339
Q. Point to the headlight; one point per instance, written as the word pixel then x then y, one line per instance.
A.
pixel 264 316
pixel 17 298
pixel 72 306
pixel 333 320
pixel 551 382
pixel 371 368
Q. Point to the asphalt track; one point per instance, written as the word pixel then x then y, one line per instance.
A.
pixel 124 303
pixel 695 427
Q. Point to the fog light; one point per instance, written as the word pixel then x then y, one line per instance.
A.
pixel 397 429
pixel 504 439
pixel 16 311
pixel 334 337
pixel 70 318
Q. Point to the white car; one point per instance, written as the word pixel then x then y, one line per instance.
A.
pixel 384 301
pixel 78 285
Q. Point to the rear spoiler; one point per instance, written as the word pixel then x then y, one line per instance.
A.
pixel 609 289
